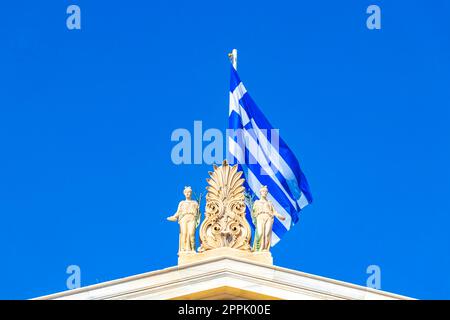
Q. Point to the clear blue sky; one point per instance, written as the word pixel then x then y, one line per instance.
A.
pixel 86 176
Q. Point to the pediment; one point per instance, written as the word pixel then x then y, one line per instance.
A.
pixel 225 293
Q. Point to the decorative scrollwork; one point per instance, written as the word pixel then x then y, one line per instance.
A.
pixel 225 224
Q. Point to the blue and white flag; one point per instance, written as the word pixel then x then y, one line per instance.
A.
pixel 265 159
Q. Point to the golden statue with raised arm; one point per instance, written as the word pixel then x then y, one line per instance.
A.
pixel 263 213
pixel 188 216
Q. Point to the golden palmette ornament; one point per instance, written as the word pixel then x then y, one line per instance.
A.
pixel 225 224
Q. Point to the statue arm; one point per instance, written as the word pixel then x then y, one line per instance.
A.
pixel 252 212
pixel 197 209
pixel 276 214
pixel 197 216
pixel 175 216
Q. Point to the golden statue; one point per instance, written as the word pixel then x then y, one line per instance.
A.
pixel 188 216
pixel 263 213
pixel 225 224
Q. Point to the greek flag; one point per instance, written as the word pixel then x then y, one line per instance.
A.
pixel 265 159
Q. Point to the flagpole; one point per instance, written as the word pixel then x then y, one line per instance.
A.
pixel 233 58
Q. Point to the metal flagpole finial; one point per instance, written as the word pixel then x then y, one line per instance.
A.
pixel 233 58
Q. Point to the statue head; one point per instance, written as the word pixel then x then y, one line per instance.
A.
pixel 187 192
pixel 264 191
